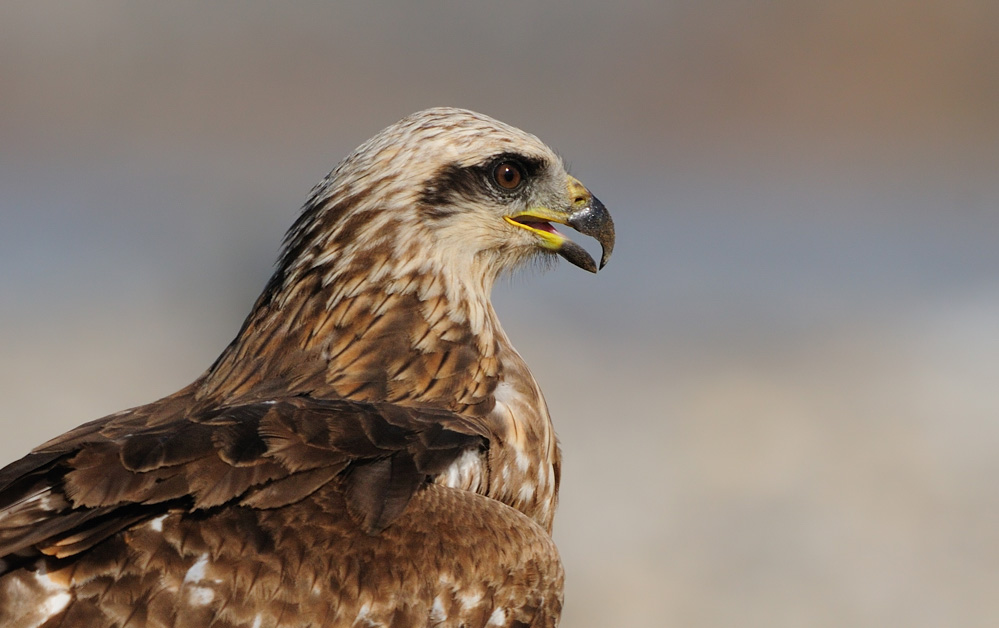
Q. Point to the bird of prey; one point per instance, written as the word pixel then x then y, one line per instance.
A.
pixel 370 450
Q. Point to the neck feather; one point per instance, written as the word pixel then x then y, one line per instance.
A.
pixel 375 328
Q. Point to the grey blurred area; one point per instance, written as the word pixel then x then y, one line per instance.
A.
pixel 778 404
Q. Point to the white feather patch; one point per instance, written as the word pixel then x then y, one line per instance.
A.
pixel 200 596
pixel 497 618
pixel 56 599
pixel 437 614
pixel 465 472
pixel 197 571
pixel 157 524
pixel 470 600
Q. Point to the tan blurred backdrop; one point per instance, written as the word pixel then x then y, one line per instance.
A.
pixel 779 404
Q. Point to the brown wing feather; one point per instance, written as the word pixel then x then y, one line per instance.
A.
pixel 73 493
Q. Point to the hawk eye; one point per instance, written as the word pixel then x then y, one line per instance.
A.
pixel 508 175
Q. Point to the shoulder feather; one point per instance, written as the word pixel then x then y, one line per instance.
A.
pixel 74 492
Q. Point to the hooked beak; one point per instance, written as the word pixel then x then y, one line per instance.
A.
pixel 586 214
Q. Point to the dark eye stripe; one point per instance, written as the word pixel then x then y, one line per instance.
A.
pixel 443 193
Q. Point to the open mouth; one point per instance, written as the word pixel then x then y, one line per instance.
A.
pixel 535 224
pixel 589 218
pixel 541 226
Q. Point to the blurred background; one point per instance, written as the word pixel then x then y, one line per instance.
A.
pixel 779 404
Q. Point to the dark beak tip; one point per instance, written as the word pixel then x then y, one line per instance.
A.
pixel 595 221
pixel 577 256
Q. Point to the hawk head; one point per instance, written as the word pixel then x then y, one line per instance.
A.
pixel 445 191
pixel 382 290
